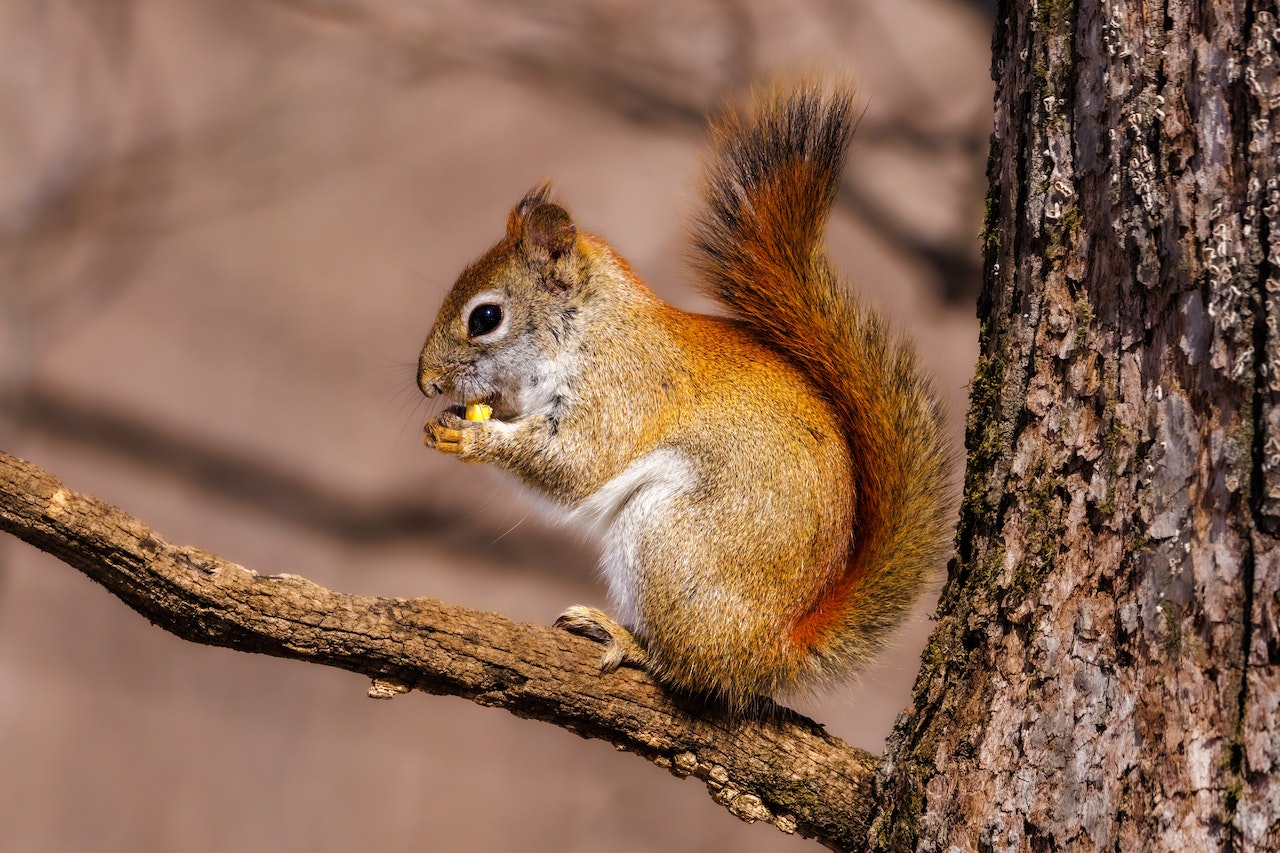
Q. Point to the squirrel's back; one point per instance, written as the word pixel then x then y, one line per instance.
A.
pixel 770 185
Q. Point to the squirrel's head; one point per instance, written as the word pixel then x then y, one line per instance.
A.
pixel 510 322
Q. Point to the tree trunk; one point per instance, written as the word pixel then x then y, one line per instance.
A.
pixel 1104 672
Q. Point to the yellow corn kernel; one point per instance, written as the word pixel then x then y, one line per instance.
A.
pixel 478 412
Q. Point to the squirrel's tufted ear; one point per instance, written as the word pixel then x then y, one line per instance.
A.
pixel 548 228
pixel 540 194
pixel 544 229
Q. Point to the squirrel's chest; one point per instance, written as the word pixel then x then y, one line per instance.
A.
pixel 627 508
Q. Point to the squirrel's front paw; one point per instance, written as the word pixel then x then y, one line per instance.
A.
pixel 620 645
pixel 453 434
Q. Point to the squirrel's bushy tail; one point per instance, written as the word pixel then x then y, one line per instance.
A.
pixel 758 249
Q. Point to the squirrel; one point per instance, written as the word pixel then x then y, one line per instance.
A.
pixel 770 485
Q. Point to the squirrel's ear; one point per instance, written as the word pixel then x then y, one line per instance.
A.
pixel 534 197
pixel 545 232
pixel 548 228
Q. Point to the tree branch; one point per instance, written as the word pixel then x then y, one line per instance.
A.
pixel 783 769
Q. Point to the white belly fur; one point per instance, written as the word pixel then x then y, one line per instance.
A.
pixel 621 510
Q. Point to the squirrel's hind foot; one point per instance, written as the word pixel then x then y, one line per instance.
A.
pixel 620 645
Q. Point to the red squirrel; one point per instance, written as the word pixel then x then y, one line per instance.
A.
pixel 770 486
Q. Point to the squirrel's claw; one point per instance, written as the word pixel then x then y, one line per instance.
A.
pixel 620 645
pixel 450 433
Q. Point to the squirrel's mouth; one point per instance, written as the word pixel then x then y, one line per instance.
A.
pixel 501 410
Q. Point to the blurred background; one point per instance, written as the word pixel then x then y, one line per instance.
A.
pixel 224 230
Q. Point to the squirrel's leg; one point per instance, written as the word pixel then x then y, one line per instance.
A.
pixel 483 441
pixel 530 446
pixel 621 646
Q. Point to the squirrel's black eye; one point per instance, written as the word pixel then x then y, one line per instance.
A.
pixel 484 319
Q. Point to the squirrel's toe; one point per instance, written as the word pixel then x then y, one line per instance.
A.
pixel 621 646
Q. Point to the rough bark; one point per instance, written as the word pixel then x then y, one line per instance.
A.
pixel 1104 675
pixel 783 769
